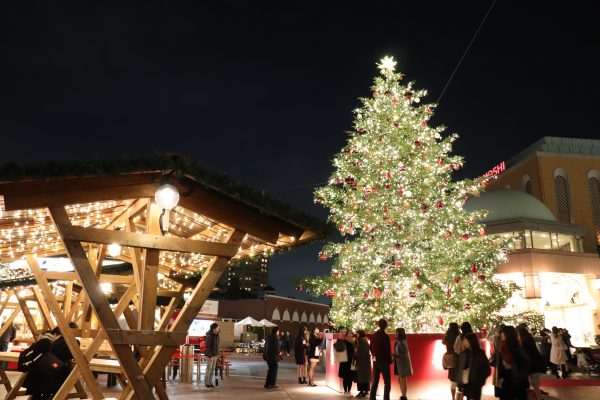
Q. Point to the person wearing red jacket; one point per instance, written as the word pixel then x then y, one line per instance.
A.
pixel 382 358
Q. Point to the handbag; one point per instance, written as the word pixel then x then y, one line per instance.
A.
pixel 317 352
pixel 465 376
pixel 354 365
pixel 449 361
pixel 340 356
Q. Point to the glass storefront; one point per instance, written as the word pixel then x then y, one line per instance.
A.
pixel 528 239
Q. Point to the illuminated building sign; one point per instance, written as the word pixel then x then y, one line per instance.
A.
pixel 496 170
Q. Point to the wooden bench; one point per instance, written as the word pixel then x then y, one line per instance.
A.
pixel 96 365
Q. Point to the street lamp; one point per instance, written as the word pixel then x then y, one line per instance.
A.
pixel 166 197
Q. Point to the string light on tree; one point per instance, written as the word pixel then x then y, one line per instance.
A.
pixel 408 246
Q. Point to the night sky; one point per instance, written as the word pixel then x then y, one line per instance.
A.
pixel 264 93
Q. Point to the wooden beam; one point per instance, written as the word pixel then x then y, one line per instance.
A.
pixel 75 307
pixel 170 293
pixel 64 328
pixel 149 276
pixel 57 192
pixel 131 212
pixel 68 298
pixel 97 298
pixel 146 338
pixel 136 261
pixel 9 293
pixel 236 214
pixel 43 306
pixel 28 317
pixel 161 357
pixel 147 241
pixel 9 320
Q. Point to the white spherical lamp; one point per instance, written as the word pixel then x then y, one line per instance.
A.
pixel 167 196
pixel 114 250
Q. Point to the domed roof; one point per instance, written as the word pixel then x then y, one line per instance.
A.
pixel 504 204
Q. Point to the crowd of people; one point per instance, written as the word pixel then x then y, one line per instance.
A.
pixel 517 357
pixel 517 360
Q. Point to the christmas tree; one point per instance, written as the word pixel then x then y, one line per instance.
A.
pixel 410 253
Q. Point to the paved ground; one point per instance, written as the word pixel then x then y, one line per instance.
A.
pixel 247 378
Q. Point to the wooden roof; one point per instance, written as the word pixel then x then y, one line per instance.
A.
pixel 105 195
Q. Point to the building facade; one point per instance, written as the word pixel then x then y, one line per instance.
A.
pixel 247 279
pixel 289 314
pixel 547 259
pixel 564 174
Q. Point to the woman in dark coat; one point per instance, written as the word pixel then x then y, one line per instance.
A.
pixel 449 339
pixel 300 350
pixel 473 368
pixel 363 364
pixel 512 367
pixel 345 371
pixel 402 365
pixel 538 364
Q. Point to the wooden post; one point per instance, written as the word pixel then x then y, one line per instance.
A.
pixel 28 317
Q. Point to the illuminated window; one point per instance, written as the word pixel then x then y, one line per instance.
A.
pixel 562 196
pixel 594 185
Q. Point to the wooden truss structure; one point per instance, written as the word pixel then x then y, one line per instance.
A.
pixel 81 217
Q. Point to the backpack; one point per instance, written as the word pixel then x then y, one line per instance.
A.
pixel 340 345
pixel 33 353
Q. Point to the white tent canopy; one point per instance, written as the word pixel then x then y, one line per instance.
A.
pixel 248 321
pixel 264 323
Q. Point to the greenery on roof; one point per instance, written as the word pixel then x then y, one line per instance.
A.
pixel 166 162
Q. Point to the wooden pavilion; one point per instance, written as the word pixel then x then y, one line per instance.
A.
pixel 81 209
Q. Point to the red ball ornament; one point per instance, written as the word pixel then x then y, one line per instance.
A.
pixel 388 119
pixel 336 275
pixel 323 257
pixel 412 294
pixel 424 208
pixel 408 95
pixel 379 138
pixel 441 321
pixel 439 205
pixel 424 123
pixel 394 101
pixel 419 285
pixel 330 293
pixel 465 236
pixel 457 280
pixel 417 273
pixel 298 288
pixel 440 162
pixel 396 124
pixel 474 269
pixel 448 234
pixel 366 295
pixel 396 263
pixel 481 278
pixel 361 130
pixel 417 143
pixel 467 306
pixel 388 175
pixel 376 292
pixel 448 294
pixel 373 238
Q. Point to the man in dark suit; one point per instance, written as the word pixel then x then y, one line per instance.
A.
pixel 272 355
pixel 382 358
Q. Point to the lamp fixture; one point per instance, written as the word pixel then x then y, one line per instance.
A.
pixel 166 197
pixel 114 250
